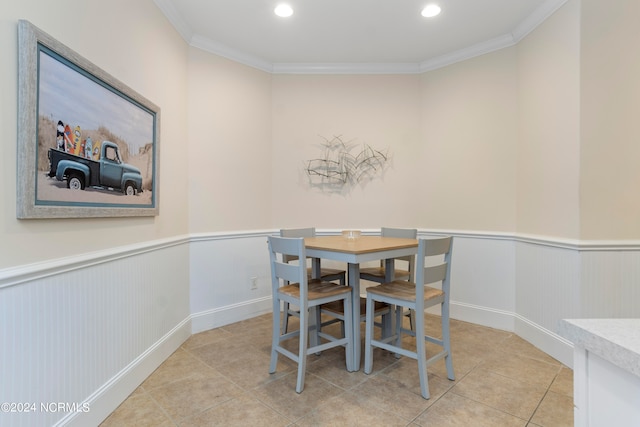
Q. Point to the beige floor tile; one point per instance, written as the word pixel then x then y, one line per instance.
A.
pixel 348 410
pixel 181 364
pixel 253 372
pixel 563 383
pixel 522 368
pixel 484 345
pixel 138 410
pixel 281 395
pixel 195 394
pixel 505 394
pixel 222 353
pixel 382 359
pixel 240 411
pixel 391 396
pixel 464 361
pixel 517 345
pixel 332 368
pixel 206 337
pixel 405 371
pixel 452 411
pixel 556 410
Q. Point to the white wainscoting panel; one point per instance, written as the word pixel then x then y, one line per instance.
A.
pixel 547 290
pixel 610 284
pixel 221 269
pixel 482 281
pixel 90 333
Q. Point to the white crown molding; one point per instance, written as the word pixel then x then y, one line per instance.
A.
pixel 225 51
pixel 170 12
pixel 346 68
pixel 468 53
pixel 525 27
pixel 536 18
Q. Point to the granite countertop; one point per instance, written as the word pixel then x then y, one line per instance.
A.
pixel 615 340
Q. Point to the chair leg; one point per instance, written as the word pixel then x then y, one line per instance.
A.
pixel 275 335
pixel 446 340
pixel 422 357
pixel 412 319
pixel 316 329
pixel 347 332
pixel 399 311
pixel 302 350
pixel 368 349
pixel 285 318
pixel 386 323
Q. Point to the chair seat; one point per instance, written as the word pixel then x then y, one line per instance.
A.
pixel 337 308
pixel 380 273
pixel 404 290
pixel 316 289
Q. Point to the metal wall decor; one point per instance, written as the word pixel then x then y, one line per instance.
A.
pixel 345 164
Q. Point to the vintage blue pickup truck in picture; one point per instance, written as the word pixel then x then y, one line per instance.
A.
pixel 108 172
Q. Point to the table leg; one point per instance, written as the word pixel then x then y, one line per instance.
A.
pixel 354 282
pixel 315 268
pixel 315 274
pixel 389 269
pixel 389 273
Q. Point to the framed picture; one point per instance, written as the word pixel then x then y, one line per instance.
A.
pixel 88 145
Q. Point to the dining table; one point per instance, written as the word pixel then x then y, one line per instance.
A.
pixel 355 251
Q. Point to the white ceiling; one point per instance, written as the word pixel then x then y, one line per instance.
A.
pixel 371 36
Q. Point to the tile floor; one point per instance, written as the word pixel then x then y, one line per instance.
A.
pixel 220 377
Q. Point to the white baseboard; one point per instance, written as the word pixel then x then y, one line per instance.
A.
pixel 217 317
pixel 484 316
pixel 108 397
pixel 552 344
pixel 547 341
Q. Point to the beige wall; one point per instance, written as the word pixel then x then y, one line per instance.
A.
pixel 378 110
pixel 450 135
pixel 135 44
pixel 537 139
pixel 548 158
pixel 467 159
pixel 229 144
pixel 609 123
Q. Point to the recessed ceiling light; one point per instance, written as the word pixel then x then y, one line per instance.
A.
pixel 283 10
pixel 431 10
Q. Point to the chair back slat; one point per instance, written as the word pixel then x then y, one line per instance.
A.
pixel 435 273
pixel 439 246
pixel 279 247
pixel 287 272
pixel 440 270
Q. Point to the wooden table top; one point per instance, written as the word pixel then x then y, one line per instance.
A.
pixel 360 245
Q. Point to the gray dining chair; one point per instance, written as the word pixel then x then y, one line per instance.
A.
pixel 378 274
pixel 416 296
pixel 326 274
pixel 290 284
